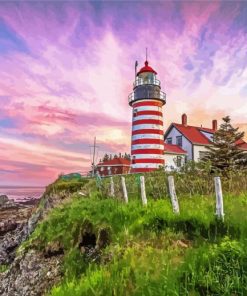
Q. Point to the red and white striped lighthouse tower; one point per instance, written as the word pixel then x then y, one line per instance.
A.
pixel 147 141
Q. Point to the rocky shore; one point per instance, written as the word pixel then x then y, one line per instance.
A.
pixel 31 272
pixel 13 226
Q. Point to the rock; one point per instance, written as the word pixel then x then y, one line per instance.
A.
pixel 30 201
pixel 53 249
pixel 13 227
pixel 182 243
pixel 31 274
pixel 3 199
pixel 82 193
pixel 33 220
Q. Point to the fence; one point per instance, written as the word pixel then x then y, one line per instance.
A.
pixel 158 185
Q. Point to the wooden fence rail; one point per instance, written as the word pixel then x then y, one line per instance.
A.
pixel 219 199
pixel 125 193
pixel 172 192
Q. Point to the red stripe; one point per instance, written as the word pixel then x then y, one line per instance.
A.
pixel 149 113
pixel 148 121
pixel 147 151
pixel 148 131
pixel 147 103
pixel 147 141
pixel 149 160
pixel 142 170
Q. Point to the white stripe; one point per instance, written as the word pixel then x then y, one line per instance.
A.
pixel 146 165
pixel 147 108
pixel 147 136
pixel 140 117
pixel 147 146
pixel 151 156
pixel 147 126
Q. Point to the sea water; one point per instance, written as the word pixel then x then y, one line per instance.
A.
pixel 19 194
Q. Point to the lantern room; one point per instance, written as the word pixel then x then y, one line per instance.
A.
pixel 146 86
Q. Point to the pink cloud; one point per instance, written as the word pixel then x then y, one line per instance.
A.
pixel 73 81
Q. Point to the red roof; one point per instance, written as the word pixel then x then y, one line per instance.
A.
pixel 116 161
pixel 175 149
pixel 193 134
pixel 146 68
pixel 241 144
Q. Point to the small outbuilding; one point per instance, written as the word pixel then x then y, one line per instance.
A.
pixel 115 166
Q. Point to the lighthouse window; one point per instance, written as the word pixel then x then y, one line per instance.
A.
pixel 135 112
pixel 179 141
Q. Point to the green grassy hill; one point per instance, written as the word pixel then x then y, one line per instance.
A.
pixel 113 248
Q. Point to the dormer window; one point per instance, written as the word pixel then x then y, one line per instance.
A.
pixel 169 141
pixel 179 141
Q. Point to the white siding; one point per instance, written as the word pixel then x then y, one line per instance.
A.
pixel 186 144
pixel 170 164
pixel 197 149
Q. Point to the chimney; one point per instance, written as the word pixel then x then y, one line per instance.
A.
pixel 184 119
pixel 214 125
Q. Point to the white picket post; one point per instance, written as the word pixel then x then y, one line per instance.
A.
pixel 173 195
pixel 111 187
pixel 143 191
pixel 124 189
pixel 219 198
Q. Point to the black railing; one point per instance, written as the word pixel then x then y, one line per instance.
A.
pixel 147 94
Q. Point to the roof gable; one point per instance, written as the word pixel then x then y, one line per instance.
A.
pixel 192 133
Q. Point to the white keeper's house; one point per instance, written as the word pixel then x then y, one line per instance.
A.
pixel 184 142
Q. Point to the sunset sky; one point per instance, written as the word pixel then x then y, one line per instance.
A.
pixel 67 68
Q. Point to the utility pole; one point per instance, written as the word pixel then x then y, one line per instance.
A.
pixel 93 162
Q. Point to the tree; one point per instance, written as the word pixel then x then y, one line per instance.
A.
pixel 127 156
pixel 106 157
pixel 224 154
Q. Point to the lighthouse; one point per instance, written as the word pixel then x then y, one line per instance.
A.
pixel 147 139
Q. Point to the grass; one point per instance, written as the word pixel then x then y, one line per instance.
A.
pixel 152 251
pixel 149 250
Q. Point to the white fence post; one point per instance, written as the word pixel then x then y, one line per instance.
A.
pixel 143 191
pixel 219 198
pixel 124 189
pixel 173 195
pixel 111 187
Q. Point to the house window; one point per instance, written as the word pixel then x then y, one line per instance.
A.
pixel 179 141
pixel 169 141
pixel 179 161
pixel 202 154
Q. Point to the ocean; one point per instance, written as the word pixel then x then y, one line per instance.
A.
pixel 21 193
